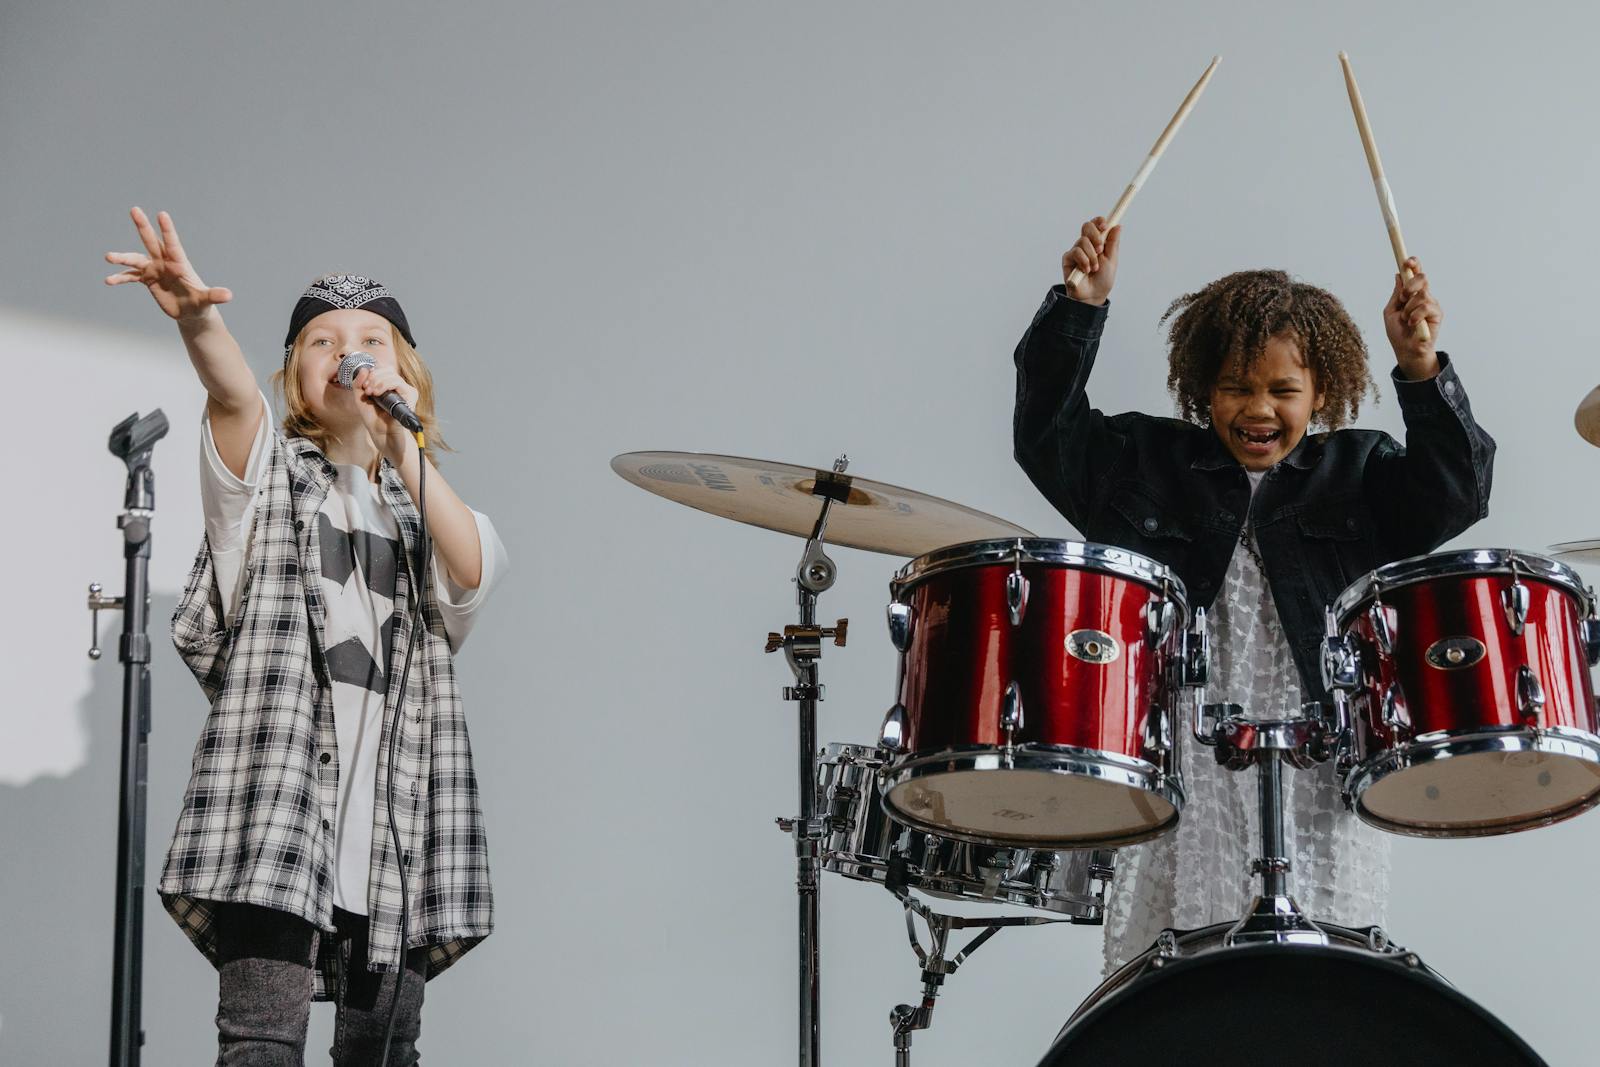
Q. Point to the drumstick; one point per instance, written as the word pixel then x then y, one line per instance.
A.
pixel 1391 218
pixel 1150 161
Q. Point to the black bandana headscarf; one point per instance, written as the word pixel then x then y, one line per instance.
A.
pixel 335 291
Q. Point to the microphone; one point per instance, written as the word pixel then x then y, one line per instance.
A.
pixel 392 402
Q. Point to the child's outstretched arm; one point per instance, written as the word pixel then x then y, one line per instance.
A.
pixel 233 403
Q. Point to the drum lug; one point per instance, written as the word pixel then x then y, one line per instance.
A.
pixel 1380 627
pixel 1591 640
pixel 1011 718
pixel 1016 595
pixel 1159 616
pixel 1515 602
pixel 893 734
pixel 1394 713
pixel 1530 695
pixel 1158 730
pixel 900 619
pixel 1194 653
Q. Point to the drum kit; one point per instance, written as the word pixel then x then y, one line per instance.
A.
pixel 1044 688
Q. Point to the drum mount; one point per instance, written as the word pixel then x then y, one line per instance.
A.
pixel 1268 744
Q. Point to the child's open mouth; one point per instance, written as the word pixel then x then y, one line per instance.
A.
pixel 1258 441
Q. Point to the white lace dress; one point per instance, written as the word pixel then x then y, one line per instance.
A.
pixel 1199 874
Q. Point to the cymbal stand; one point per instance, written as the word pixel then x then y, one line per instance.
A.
pixel 802 648
pixel 936 966
pixel 1268 744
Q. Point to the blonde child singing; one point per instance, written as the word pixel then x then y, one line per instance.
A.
pixel 309 595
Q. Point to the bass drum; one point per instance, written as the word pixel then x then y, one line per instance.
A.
pixel 1189 1000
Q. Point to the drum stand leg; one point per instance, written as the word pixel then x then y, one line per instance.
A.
pixel 904 1019
pixel 1273 915
pixel 802 647
pixel 1268 744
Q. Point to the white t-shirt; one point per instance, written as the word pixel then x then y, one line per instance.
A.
pixel 359 542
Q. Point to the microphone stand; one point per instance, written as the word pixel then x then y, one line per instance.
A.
pixel 132 440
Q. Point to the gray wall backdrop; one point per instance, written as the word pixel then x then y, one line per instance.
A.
pixel 770 230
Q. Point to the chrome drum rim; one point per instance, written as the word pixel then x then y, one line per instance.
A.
pixel 1469 563
pixel 1444 744
pixel 1057 759
pixel 1076 555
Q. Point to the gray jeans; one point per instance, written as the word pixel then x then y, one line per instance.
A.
pixel 264 983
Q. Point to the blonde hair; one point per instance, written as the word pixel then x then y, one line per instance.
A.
pixel 298 421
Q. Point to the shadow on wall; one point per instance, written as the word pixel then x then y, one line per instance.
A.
pixel 58 864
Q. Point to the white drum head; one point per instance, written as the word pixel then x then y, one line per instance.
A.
pixel 1037 808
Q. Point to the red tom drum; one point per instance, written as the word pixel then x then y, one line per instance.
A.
pixel 1464 679
pixel 1035 694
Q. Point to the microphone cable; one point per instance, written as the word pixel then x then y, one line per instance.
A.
pixel 417 619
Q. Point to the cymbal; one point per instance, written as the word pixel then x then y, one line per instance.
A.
pixel 1587 417
pixel 1577 551
pixel 868 515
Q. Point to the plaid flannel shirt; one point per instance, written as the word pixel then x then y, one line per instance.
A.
pixel 256 821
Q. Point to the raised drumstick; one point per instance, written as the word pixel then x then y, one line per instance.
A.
pixel 1150 161
pixel 1391 218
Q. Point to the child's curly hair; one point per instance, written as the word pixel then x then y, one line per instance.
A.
pixel 1234 317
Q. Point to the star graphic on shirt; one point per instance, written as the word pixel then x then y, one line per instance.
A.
pixel 358 576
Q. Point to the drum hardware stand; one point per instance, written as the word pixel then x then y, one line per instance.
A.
pixel 132 441
pixel 1273 917
pixel 802 648
pixel 936 966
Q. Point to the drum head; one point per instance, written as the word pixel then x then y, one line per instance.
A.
pixel 1032 808
pixel 1482 793
pixel 1269 1005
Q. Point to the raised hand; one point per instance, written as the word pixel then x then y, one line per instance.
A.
pixel 1095 255
pixel 1410 302
pixel 166 271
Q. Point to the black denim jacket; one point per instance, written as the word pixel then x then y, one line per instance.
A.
pixel 1340 505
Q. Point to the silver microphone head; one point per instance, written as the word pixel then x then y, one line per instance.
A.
pixel 352 365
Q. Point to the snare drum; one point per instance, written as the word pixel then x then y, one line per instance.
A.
pixel 1465 678
pixel 864 843
pixel 1034 699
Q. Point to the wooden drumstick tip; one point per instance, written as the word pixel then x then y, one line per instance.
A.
pixel 1114 217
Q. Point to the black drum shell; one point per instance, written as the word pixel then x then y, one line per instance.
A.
pixel 1274 1005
